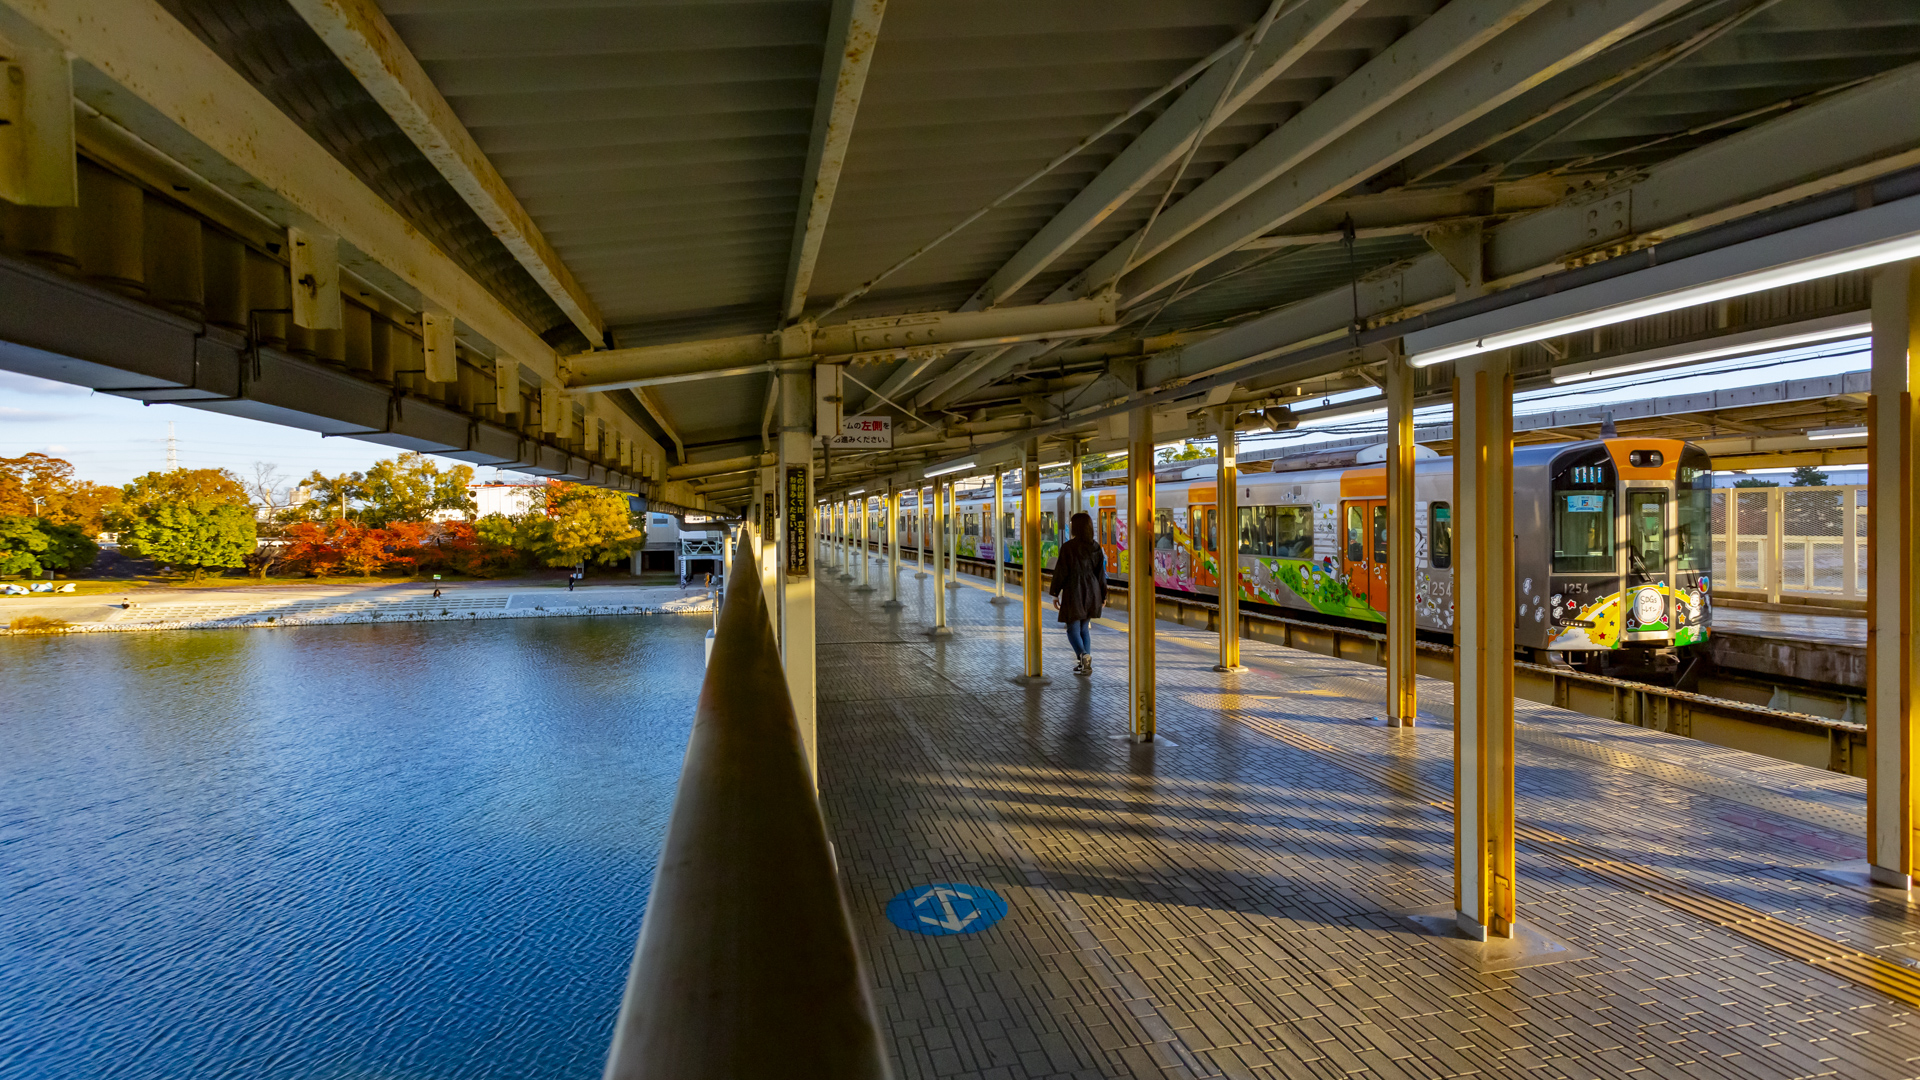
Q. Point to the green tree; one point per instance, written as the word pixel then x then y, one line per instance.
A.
pixel 1751 482
pixel 412 487
pixel 584 525
pixel 1808 476
pixel 21 546
pixel 329 498
pixel 194 518
pixel 1188 450
pixel 36 546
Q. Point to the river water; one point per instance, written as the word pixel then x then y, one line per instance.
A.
pixel 399 852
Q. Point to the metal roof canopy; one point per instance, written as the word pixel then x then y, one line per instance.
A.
pixel 1230 181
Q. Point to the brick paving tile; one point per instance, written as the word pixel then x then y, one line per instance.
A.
pixel 1225 906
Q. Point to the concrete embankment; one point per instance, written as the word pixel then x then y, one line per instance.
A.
pixel 253 608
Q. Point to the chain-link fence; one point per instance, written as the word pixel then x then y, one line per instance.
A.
pixel 1804 541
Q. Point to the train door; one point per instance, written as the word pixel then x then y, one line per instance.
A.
pixel 1364 550
pixel 1205 523
pixel 1644 595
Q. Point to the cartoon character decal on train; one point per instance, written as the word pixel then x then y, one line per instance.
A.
pixel 1612 541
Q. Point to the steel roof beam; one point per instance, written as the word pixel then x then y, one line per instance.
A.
pixel 141 69
pixel 1196 112
pixel 1549 42
pixel 1450 35
pixel 360 35
pixel 851 36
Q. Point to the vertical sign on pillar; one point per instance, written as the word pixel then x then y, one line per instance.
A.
pixel 1893 587
pixel 1032 574
pixel 1401 704
pixel 1226 530
pixel 1483 637
pixel 1140 583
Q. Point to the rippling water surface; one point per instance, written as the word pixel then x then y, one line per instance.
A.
pixel 403 852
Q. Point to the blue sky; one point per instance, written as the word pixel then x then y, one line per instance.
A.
pixel 111 440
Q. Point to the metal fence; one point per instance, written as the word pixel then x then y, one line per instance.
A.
pixel 1793 541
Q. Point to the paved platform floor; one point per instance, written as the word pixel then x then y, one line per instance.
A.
pixel 1841 629
pixel 1238 899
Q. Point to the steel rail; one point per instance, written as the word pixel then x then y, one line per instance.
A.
pixel 745 965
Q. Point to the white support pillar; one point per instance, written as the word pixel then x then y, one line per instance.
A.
pixel 1893 587
pixel 940 511
pixel 1140 589
pixel 994 525
pixel 893 549
pixel 797 555
pixel 1226 508
pixel 1483 644
pixel 1401 702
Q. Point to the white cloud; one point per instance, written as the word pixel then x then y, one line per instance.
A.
pixel 33 416
pixel 26 384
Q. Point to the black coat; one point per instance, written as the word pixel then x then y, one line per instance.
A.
pixel 1080 580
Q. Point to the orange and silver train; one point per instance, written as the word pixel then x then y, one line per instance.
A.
pixel 1612 551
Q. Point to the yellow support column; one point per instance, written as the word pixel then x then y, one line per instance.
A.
pixel 921 512
pixel 1033 581
pixel 940 511
pixel 892 540
pixel 866 541
pixel 1226 506
pixel 1140 589
pixel 994 528
pixel 1074 486
pixel 1483 644
pixel 952 540
pixel 1893 587
pixel 1401 703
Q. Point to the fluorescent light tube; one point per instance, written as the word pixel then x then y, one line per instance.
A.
pixel 1600 370
pixel 931 473
pixel 1838 433
pixel 1860 257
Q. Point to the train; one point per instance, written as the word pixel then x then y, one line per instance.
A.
pixel 1612 546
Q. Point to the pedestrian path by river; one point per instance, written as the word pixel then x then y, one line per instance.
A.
pixel 228 607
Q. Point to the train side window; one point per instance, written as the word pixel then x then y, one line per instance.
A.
pixel 1049 527
pixel 1380 535
pixel 1440 536
pixel 1292 531
pixel 1357 533
pixel 1582 532
pixel 1163 529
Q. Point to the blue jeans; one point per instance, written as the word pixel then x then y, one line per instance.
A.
pixel 1080 636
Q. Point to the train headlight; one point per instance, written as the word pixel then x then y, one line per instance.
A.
pixel 1649 606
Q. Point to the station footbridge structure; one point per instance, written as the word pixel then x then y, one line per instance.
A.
pixel 804 265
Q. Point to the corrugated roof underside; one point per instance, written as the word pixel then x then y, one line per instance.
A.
pixel 268 43
pixel 659 146
pixel 964 101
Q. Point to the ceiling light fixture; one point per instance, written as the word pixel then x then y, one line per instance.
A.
pixel 931 473
pixel 1853 327
pixel 1795 255
pixel 1838 433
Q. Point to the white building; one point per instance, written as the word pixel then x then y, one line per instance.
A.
pixel 501 498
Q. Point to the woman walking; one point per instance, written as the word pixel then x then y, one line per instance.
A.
pixel 1080 589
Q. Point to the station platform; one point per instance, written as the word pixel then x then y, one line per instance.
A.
pixel 1817 629
pixel 1260 892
